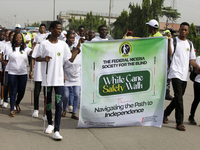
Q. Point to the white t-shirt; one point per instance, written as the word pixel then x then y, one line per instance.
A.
pixel 40 37
pixel 60 53
pixel 197 78
pixel 98 38
pixel 77 38
pixel 73 72
pixel 37 67
pixel 17 61
pixel 8 50
pixel 2 49
pixel 27 37
pixel 180 60
pixel 62 37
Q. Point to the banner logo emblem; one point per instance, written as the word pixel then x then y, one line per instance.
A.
pixel 125 49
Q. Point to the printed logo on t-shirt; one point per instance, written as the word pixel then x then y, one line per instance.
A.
pixel 58 54
pixel 188 49
pixel 125 49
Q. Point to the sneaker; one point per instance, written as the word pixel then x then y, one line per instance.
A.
pixel 1 102
pixel 5 105
pixel 49 129
pixel 35 113
pixel 44 118
pixel 192 121
pixel 70 108
pixel 57 136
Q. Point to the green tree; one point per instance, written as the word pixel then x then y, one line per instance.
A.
pixel 120 25
pixel 192 36
pixel 171 14
pixel 90 22
pixel 137 18
pixel 156 8
pixel 35 24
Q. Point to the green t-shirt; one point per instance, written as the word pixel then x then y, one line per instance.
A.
pixel 156 35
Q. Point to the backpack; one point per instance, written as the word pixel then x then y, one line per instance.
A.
pixel 192 73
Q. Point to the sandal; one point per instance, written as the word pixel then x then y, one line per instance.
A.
pixel 64 113
pixel 18 109
pixel 12 113
pixel 165 119
pixel 180 127
pixel 74 117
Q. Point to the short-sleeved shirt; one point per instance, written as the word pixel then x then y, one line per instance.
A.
pixel 156 35
pixel 180 60
pixel 98 38
pixel 60 53
pixel 39 38
pixel 37 67
pixel 17 61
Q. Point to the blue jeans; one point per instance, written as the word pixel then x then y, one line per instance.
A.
pixel 58 105
pixel 17 88
pixel 71 98
pixel 76 92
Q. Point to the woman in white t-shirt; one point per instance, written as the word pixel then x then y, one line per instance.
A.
pixel 17 71
pixel 72 79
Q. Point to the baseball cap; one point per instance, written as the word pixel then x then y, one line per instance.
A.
pixel 153 23
pixel 17 26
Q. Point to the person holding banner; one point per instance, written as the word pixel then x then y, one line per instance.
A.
pixel 153 28
pixel 73 81
pixel 103 31
pixel 55 52
pixel 181 54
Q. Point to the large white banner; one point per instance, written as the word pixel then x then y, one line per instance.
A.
pixel 123 83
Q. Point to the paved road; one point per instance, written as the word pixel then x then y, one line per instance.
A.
pixel 23 133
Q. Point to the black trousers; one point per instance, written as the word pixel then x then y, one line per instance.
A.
pixel 177 102
pixel 37 90
pixel 195 103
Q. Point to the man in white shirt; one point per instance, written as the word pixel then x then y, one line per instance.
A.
pixel 81 31
pixel 41 36
pixel 103 31
pixel 181 55
pixel 56 53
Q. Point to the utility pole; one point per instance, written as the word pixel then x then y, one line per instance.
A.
pixel 109 18
pixel 54 3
